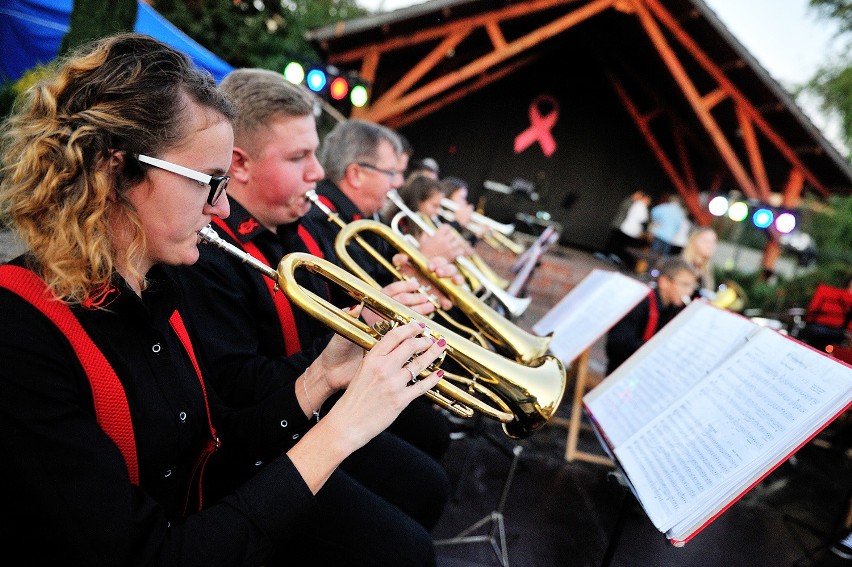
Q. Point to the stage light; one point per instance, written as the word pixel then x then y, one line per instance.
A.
pixel 358 96
pixel 316 80
pixel 785 223
pixel 718 206
pixel 762 218
pixel 294 72
pixel 738 211
pixel 338 88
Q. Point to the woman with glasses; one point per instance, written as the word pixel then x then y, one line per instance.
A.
pixel 114 450
pixel 423 195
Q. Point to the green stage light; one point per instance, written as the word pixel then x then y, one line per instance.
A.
pixel 358 96
pixel 738 211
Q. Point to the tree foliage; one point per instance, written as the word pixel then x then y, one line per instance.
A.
pixel 93 19
pixel 832 82
pixel 256 33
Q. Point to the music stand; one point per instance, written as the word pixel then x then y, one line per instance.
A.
pixel 496 536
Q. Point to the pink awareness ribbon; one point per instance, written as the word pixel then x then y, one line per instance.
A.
pixel 540 126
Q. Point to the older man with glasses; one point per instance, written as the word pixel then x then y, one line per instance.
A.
pixel 362 165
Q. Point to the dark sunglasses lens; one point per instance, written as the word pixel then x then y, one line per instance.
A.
pixel 217 187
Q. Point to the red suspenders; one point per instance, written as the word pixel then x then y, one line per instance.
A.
pixel 292 345
pixel 653 317
pixel 111 408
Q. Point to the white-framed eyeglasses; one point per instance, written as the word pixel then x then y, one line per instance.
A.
pixel 217 183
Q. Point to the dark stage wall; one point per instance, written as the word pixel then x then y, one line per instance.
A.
pixel 600 157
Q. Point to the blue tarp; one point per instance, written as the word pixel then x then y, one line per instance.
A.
pixel 32 30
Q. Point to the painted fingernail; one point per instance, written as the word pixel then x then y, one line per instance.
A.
pixel 433 339
pixel 440 373
pixel 442 342
pixel 422 325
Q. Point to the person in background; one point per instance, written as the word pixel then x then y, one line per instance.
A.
pixel 423 195
pixel 682 236
pixel 666 220
pixel 699 251
pixel 426 167
pixel 455 189
pixel 630 234
pixel 618 218
pixel 360 160
pixel 676 281
pixel 110 436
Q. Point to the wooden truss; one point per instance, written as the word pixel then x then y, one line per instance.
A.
pixel 411 98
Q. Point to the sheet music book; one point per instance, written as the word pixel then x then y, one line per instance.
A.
pixel 702 412
pixel 588 311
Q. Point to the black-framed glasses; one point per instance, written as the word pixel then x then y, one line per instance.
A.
pixel 391 173
pixel 217 183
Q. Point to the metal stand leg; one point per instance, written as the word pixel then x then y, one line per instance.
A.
pixel 615 537
pixel 497 534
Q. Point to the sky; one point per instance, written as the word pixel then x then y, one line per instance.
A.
pixel 783 35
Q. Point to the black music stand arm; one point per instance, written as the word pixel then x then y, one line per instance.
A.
pixel 617 478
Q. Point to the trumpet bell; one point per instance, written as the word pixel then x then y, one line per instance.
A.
pixel 531 393
pixel 730 296
pixel 506 337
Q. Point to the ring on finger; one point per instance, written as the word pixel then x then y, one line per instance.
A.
pixel 414 378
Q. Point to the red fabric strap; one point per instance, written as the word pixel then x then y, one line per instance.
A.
pixel 111 408
pixel 213 443
pixel 292 345
pixel 653 317
pixel 309 241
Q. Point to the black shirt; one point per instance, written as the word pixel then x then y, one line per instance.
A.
pixel 628 334
pixel 64 484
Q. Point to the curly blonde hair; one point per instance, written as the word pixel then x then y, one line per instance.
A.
pixel 58 188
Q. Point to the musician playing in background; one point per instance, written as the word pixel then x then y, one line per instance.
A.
pixel 675 283
pixel 361 160
pixel 455 189
pixel 423 195
pixel 115 448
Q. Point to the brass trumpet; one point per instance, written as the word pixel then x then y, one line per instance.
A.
pixel 334 218
pixel 480 219
pixel 506 337
pixel 515 306
pixel 526 396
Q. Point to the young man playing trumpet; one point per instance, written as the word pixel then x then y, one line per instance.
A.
pixel 257 342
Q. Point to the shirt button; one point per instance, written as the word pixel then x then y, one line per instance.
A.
pixel 258 463
pixel 283 423
pixel 156 347
pixel 296 436
pixel 182 417
pixel 167 474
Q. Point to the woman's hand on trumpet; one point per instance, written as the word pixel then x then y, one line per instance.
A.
pixel 387 380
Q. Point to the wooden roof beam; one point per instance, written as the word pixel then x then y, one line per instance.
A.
pixel 741 100
pixel 683 158
pixel 488 61
pixel 690 195
pixel 368 71
pixel 419 70
pixel 694 98
pixel 510 12
pixel 752 147
pixel 484 80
